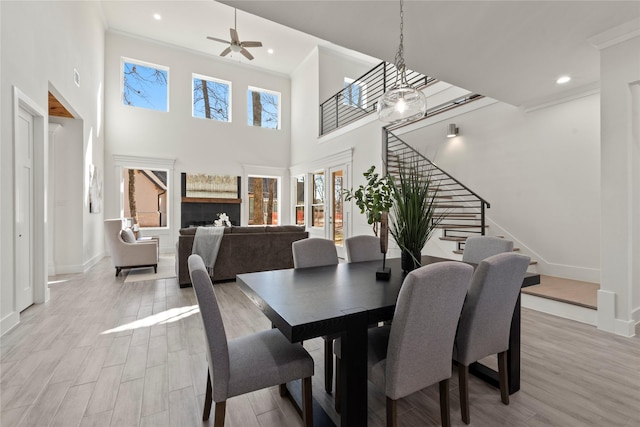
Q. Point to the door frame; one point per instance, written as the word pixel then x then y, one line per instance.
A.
pixel 39 196
pixel 330 197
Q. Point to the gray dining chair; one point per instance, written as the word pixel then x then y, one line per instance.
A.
pixel 485 321
pixel 315 252
pixel 247 363
pixel 363 248
pixel 415 351
pixel 477 248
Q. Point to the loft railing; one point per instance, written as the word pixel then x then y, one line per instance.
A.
pixel 359 98
pixel 463 211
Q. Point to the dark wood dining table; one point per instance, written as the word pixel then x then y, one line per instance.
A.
pixel 345 299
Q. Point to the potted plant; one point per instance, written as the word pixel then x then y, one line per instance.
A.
pixel 413 213
pixel 373 198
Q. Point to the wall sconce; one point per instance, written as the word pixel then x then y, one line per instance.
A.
pixel 453 131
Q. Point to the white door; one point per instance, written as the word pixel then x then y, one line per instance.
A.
pixel 337 221
pixel 24 210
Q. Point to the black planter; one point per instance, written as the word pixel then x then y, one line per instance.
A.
pixel 408 262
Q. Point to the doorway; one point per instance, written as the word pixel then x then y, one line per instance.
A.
pixel 337 221
pixel 24 209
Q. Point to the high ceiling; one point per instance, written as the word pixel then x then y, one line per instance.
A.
pixel 509 50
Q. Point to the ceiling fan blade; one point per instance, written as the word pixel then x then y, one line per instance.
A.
pixel 215 39
pixel 246 54
pixel 234 36
pixel 251 44
pixel 226 51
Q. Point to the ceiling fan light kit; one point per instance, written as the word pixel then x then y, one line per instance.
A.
pixel 235 45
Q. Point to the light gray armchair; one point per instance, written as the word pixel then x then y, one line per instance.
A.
pixel 486 319
pixel 248 363
pixel 129 253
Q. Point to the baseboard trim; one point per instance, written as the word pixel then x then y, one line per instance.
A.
pixel 91 262
pixel 9 322
pixel 561 309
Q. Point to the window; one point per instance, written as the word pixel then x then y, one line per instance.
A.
pixel 145 196
pixel 355 93
pixel 317 205
pixel 299 184
pixel 145 85
pixel 263 200
pixel 263 108
pixel 211 98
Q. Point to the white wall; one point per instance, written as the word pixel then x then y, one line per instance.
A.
pixel 539 170
pixel 197 145
pixel 619 295
pixel 41 44
pixel 334 67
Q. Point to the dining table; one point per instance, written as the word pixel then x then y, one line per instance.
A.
pixel 345 299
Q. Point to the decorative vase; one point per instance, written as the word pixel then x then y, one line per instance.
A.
pixel 408 261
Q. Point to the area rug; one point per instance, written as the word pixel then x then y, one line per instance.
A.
pixel 166 269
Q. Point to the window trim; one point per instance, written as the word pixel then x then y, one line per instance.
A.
pixel 124 59
pixel 122 162
pixel 272 92
pixel 215 80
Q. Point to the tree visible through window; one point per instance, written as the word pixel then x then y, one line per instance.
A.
pixel 211 98
pixel 299 183
pixel 263 108
pixel 317 206
pixel 263 200
pixel 145 85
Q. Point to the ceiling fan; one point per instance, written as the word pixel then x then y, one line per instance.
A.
pixel 235 45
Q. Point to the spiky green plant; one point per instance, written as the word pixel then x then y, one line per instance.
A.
pixel 413 215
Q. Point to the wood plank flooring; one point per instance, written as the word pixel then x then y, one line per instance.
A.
pixel 105 353
pixel 576 292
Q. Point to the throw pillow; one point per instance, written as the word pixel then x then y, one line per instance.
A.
pixel 127 236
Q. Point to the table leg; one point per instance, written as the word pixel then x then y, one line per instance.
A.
pixel 513 357
pixel 353 367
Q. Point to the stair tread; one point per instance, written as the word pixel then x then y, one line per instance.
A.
pixel 460 226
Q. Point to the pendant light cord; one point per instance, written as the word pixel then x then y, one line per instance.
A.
pixel 399 60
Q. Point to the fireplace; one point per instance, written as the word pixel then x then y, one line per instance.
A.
pixel 201 211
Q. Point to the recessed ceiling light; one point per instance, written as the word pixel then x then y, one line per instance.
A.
pixel 562 80
pixel 270 51
pixel 157 16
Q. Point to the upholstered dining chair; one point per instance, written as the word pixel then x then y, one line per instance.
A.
pixel 315 252
pixel 415 351
pixel 126 251
pixel 477 248
pixel 486 319
pixel 249 363
pixel 363 248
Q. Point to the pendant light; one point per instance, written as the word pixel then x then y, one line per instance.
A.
pixel 402 102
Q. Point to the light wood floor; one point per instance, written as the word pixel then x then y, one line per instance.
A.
pixel 576 292
pixel 103 353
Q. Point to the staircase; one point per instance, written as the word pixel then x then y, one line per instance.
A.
pixel 462 210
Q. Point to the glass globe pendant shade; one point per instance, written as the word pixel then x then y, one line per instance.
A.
pixel 401 104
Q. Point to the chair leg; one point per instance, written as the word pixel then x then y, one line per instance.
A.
pixel 155 269
pixel 503 375
pixel 207 399
pixel 328 364
pixel 463 385
pixel 445 412
pixel 118 270
pixel 307 402
pixel 283 390
pixel 392 412
pixel 218 420
pixel 337 395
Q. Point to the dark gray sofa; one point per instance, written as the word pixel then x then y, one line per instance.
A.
pixel 242 250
